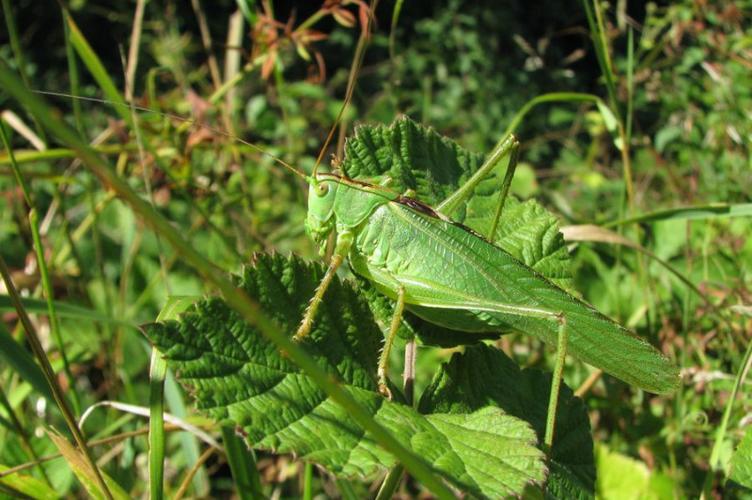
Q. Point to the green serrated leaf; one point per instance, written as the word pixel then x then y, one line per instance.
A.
pixel 240 378
pixel 483 376
pixel 741 462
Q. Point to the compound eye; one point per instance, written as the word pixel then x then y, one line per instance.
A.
pixel 322 189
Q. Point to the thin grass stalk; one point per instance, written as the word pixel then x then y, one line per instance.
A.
pixel 203 28
pixel 33 156
pixel 133 50
pixel 396 11
pixel 357 62
pixel 180 493
pixel 715 455
pixel 242 465
pixel 73 75
pixel 514 123
pixel 236 298
pixel 232 61
pixel 49 374
pixel 308 481
pixel 249 68
pixel 157 374
pixel 25 443
pixel 43 270
pixel 93 443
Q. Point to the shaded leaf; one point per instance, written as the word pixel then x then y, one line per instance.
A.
pixel 483 376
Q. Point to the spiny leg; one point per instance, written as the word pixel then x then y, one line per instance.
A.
pixel 532 312
pixel 507 145
pixel 344 241
pixel 399 308
pixel 561 353
pixel 505 184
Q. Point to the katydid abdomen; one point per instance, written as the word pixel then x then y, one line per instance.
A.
pixel 455 278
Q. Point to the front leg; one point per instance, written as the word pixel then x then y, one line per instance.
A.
pixel 344 242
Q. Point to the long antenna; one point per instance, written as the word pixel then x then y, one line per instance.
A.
pixel 179 118
pixel 357 63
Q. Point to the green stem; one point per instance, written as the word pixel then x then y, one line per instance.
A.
pixel 544 98
pixel 308 481
pixel 157 374
pixel 242 465
pixel 715 455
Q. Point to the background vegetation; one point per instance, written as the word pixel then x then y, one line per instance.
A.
pixel 676 76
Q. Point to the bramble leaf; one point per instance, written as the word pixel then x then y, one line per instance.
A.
pixel 741 462
pixel 483 376
pixel 238 377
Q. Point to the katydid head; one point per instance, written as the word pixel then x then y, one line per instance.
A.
pixel 321 195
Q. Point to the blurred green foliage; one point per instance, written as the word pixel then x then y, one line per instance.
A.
pixel 464 68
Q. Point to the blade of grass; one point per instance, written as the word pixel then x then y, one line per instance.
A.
pixel 600 44
pixel 242 465
pixel 133 49
pixel 188 443
pixel 393 29
pixel 308 481
pixel 203 28
pixel 188 479
pixel 97 70
pixel 697 212
pixel 23 363
pixel 19 429
pixel 715 455
pixel 73 74
pixel 157 374
pixel 17 124
pixel 514 123
pixel 234 49
pixel 87 473
pixel 43 271
pixel 590 232
pixel 49 374
pixel 64 310
pixel 235 297
pixel 93 443
pixel 31 156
